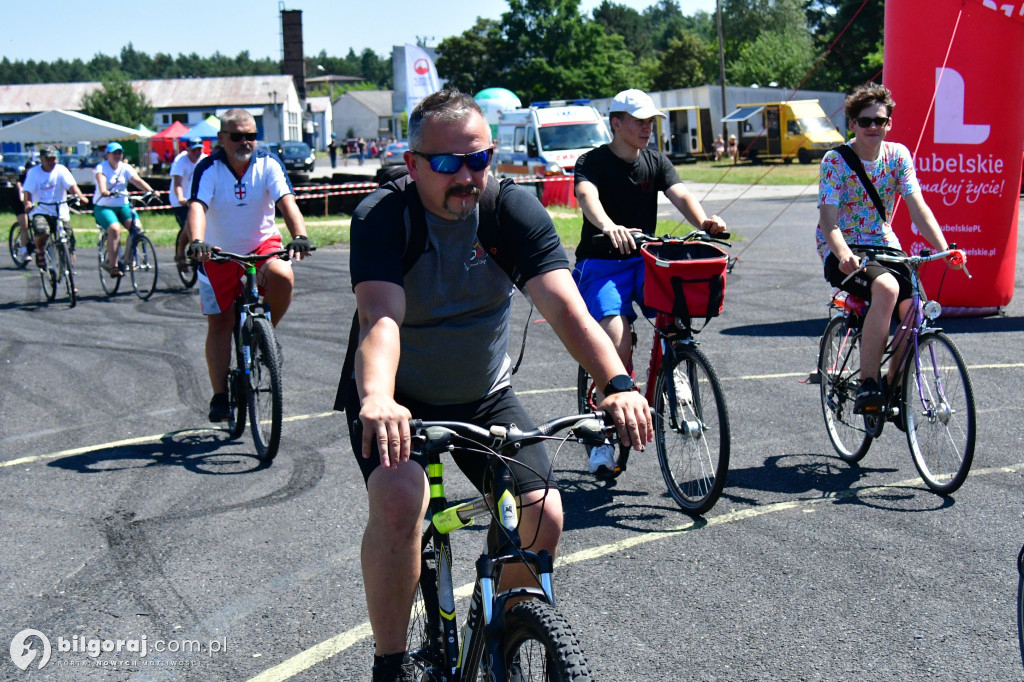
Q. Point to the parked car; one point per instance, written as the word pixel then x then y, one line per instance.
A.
pixel 394 154
pixel 297 156
pixel 12 166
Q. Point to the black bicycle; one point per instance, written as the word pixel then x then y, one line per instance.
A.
pixel 254 377
pixel 529 640
pixel 59 253
pixel 188 269
pixel 136 256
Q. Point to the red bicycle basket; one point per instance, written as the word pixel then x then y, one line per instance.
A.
pixel 684 279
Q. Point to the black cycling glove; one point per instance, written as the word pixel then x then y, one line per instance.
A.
pixel 301 245
pixel 198 248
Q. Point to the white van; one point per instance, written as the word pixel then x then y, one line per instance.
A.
pixel 546 138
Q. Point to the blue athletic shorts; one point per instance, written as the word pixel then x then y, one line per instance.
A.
pixel 610 287
pixel 106 216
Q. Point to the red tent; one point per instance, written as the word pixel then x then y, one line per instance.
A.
pixel 167 140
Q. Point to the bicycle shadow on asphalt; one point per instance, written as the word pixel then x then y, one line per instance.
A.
pixel 812 327
pixel 815 326
pixel 588 502
pixel 198 451
pixel 811 476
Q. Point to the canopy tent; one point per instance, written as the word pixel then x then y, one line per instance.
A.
pixel 166 141
pixel 142 128
pixel 206 130
pixel 66 128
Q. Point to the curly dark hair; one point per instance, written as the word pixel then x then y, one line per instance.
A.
pixel 866 95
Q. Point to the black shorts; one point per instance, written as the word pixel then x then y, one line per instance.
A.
pixel 860 284
pixel 180 214
pixel 531 470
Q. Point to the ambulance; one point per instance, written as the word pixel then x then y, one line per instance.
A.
pixel 784 130
pixel 546 138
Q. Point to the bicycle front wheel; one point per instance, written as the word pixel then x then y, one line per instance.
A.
pixel 539 644
pixel 839 371
pixel 141 263
pixel 48 275
pixel 109 282
pixel 264 390
pixel 939 401
pixel 424 641
pixel 189 275
pixel 68 273
pixel 14 244
pixel 692 438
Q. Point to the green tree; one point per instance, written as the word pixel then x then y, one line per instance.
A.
pixel 781 58
pixel 471 61
pixel 625 21
pixel 684 63
pixel 117 102
pixel 857 55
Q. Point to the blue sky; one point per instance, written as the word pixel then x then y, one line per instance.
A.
pixel 72 28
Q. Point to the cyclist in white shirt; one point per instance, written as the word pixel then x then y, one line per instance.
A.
pixel 181 187
pixel 112 208
pixel 46 188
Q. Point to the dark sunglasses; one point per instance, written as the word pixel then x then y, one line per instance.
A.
pixel 866 121
pixel 238 137
pixel 450 164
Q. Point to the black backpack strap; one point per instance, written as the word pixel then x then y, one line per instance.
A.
pixel 855 164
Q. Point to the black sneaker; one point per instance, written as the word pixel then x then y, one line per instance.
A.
pixel 869 398
pixel 393 668
pixel 220 408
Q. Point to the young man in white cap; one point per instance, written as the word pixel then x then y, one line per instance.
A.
pixel 617 187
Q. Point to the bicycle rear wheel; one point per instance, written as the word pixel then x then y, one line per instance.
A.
pixel 538 644
pixel 141 262
pixel 109 282
pixel 585 391
pixel 839 370
pixel 48 275
pixel 692 440
pixel 939 401
pixel 264 390
pixel 14 244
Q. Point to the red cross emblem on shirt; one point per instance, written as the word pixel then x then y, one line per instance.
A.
pixel 240 190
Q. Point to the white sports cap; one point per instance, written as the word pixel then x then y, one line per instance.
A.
pixel 636 103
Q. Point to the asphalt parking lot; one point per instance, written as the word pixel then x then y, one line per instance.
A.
pixel 126 515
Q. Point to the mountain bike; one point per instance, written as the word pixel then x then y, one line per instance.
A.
pixel 529 640
pixel 136 255
pixel 254 376
pixel 932 399
pixel 59 253
pixel 691 419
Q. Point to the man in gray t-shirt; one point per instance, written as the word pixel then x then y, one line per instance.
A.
pixel 433 343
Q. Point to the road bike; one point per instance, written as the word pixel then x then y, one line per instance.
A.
pixel 691 419
pixel 254 376
pixel 59 252
pixel 510 633
pixel 136 255
pixel 932 399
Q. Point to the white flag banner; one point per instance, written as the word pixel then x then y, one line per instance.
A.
pixel 420 76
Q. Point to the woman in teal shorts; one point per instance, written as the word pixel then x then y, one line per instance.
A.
pixel 111 206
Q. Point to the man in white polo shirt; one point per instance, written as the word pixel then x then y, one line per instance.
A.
pixel 231 207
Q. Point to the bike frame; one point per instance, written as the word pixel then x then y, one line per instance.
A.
pixel 486 616
pixel 249 304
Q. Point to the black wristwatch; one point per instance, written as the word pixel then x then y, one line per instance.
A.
pixel 619 384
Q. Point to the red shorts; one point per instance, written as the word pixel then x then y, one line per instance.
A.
pixel 221 283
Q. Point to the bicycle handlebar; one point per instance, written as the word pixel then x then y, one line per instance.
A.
pixel 957 258
pixel 589 428
pixel 641 238
pixel 219 256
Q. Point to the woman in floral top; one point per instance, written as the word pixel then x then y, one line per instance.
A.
pixel 848 219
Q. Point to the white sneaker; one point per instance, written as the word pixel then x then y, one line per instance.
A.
pixel 602 457
pixel 23 252
pixel 684 395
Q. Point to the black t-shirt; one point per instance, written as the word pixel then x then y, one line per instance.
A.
pixel 457 297
pixel 628 193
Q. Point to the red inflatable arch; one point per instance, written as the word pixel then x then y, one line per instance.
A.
pixel 954 68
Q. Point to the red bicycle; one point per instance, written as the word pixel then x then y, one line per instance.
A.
pixel 684 279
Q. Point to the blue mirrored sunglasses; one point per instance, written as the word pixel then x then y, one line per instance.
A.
pixel 449 164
